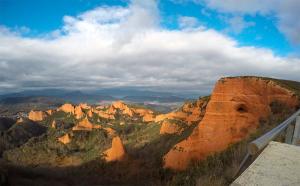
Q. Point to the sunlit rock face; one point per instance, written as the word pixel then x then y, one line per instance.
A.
pixel 84 106
pixel 53 124
pixel 67 108
pixel 103 114
pixel 116 152
pixel 190 112
pixel 50 112
pixel 65 139
pixel 146 114
pixel 169 127
pixel 78 112
pixel 195 110
pixel 90 113
pixel 85 124
pixel 123 107
pixel 148 118
pixel 233 112
pixel 37 115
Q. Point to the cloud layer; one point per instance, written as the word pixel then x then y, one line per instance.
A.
pixel 126 46
pixel 285 11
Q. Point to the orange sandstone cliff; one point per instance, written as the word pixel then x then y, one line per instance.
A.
pixel 147 115
pixel 190 112
pixel 85 124
pixel 65 139
pixel 123 107
pixel 233 112
pixel 170 127
pixel 67 108
pixel 116 152
pixel 78 112
pixel 36 115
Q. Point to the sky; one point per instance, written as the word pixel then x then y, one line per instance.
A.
pixel 169 45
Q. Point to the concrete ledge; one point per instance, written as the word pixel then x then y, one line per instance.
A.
pixel 277 165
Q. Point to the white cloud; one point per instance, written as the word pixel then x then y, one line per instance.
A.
pixel 187 22
pixel 286 11
pixel 237 24
pixel 125 46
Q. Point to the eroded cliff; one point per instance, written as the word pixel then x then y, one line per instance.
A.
pixel 234 111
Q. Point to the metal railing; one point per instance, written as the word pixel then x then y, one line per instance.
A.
pixel 292 137
pixel 261 142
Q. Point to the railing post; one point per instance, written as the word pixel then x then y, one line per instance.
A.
pixel 296 137
pixel 289 134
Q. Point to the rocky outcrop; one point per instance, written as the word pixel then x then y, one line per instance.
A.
pixel 111 110
pixel 53 124
pixel 90 113
pixel 49 112
pixel 100 107
pixel 234 111
pixel 170 127
pixel 84 106
pixel 172 115
pixel 195 110
pixel 85 124
pixel 148 118
pixel 123 107
pixel 37 115
pixel 146 114
pixel 191 112
pixel 110 131
pixel 67 108
pixel 116 152
pixel 78 112
pixel 65 139
pixel 104 115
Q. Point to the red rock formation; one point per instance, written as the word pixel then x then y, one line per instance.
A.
pixel 172 115
pixel 148 118
pixel 170 127
pixel 105 115
pixel 85 124
pixel 37 115
pixel 65 139
pixel 116 152
pixel 67 108
pixel 53 124
pixel 195 110
pixel 146 114
pixel 234 111
pixel 100 107
pixel 78 112
pixel 90 113
pixel 49 112
pixel 84 106
pixel 110 131
pixel 111 110
pixel 123 107
pixel 190 112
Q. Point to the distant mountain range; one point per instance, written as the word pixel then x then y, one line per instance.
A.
pixel 126 94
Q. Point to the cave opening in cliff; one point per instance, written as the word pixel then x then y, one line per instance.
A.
pixel 242 108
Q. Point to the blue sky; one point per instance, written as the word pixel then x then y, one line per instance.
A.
pixel 159 45
pixel 43 16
